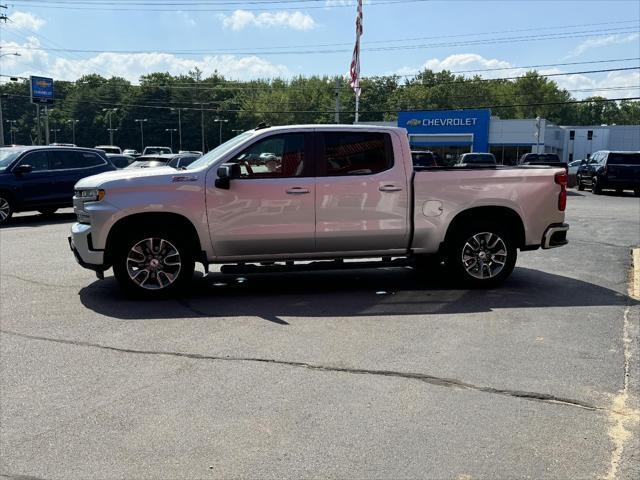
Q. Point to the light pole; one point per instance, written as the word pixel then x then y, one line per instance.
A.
pixel 220 121
pixel 110 112
pixel 537 134
pixel 55 134
pixel 171 130
pixel 141 121
pixel 12 129
pixel 73 122
pixel 179 128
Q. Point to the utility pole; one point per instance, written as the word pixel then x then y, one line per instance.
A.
pixel 171 130
pixel 141 121
pixel 202 125
pixel 39 129
pixel 220 121
pixel 338 99
pixel 4 95
pixel 46 126
pixel 55 134
pixel 73 122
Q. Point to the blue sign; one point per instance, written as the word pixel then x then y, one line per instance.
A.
pixel 41 90
pixel 471 125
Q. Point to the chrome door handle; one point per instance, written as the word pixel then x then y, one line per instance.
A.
pixel 297 191
pixel 389 188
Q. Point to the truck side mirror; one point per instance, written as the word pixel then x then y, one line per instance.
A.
pixel 22 169
pixel 226 172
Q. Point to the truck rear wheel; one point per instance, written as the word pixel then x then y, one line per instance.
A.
pixel 482 254
pixel 6 209
pixel 152 264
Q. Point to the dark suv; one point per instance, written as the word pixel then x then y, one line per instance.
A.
pixel 610 170
pixel 42 178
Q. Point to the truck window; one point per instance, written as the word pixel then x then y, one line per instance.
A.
pixel 357 153
pixel 38 160
pixel 277 156
pixel 624 159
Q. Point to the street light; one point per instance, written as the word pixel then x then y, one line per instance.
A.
pixel 12 129
pixel 73 122
pixel 220 121
pixel 179 127
pixel 141 121
pixel 171 130
pixel 110 112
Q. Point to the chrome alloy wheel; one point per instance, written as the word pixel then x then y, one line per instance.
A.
pixel 153 263
pixel 5 209
pixel 484 255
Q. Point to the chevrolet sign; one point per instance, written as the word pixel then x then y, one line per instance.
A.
pixel 414 122
pixel 41 90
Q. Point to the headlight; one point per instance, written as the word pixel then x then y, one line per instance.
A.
pixel 90 195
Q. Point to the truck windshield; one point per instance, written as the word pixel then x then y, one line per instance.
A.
pixel 220 150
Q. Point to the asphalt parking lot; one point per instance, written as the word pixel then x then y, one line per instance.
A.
pixel 357 374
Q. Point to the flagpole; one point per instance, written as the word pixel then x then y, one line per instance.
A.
pixel 354 70
pixel 357 106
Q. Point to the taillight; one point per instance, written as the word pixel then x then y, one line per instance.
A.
pixel 561 179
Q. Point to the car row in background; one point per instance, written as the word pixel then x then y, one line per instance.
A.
pixel 42 178
pixel 607 170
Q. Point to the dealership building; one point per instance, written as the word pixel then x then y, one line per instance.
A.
pixel 449 133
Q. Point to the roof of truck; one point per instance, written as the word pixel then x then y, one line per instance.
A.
pixel 332 126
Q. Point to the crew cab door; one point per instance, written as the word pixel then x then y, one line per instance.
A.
pixel 270 209
pixel 34 188
pixel 362 194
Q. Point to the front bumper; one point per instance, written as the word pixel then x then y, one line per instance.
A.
pixel 82 248
pixel 555 235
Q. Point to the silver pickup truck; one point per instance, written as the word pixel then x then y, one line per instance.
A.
pixel 313 192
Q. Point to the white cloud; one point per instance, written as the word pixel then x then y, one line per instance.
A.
pixel 26 20
pixel 241 19
pixel 132 65
pixel 580 85
pixel 604 41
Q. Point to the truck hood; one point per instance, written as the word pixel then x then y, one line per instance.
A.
pixel 130 176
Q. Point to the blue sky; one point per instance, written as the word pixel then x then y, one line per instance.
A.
pixel 243 42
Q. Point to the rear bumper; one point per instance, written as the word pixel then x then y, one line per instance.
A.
pixel 555 235
pixel 82 248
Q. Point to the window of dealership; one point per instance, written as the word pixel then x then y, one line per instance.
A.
pixel 509 154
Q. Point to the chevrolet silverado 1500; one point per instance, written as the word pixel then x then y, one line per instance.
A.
pixel 313 192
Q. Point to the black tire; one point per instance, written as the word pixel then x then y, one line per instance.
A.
pixel 580 185
pixel 6 208
pixel 459 247
pixel 596 189
pixel 48 211
pixel 175 278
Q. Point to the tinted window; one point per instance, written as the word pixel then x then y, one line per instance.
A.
pixel 66 159
pixel 355 153
pixel 423 159
pixel 120 161
pixel 90 159
pixel 38 160
pixel 478 158
pixel 275 156
pixel 624 159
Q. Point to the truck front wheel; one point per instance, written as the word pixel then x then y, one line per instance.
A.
pixel 482 254
pixel 152 264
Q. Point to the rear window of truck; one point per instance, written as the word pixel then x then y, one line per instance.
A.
pixel 357 153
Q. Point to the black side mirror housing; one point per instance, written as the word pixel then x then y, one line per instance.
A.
pixel 22 169
pixel 226 172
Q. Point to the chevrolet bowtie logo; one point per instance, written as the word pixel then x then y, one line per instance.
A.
pixel 414 122
pixel 43 83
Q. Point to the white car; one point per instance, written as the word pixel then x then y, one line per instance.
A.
pixel 338 191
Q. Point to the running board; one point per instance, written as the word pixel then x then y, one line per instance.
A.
pixel 312 266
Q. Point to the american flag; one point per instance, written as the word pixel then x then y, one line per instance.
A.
pixel 354 71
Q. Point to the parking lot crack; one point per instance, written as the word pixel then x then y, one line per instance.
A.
pixel 430 379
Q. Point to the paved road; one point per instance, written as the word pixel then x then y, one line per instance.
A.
pixel 360 374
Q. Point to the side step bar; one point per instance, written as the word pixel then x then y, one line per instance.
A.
pixel 338 264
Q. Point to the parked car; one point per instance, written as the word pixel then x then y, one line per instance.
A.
pixel 423 158
pixel 476 159
pixel 359 198
pixel 120 161
pixel 42 178
pixel 183 160
pixel 156 150
pixel 131 152
pixel 174 160
pixel 607 170
pixel 62 145
pixel 197 152
pixel 572 171
pixel 109 149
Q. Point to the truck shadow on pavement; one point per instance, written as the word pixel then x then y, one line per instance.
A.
pixel 390 291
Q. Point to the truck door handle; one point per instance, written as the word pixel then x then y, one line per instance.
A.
pixel 297 191
pixel 389 188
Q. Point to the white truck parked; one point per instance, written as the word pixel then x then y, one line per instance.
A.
pixel 313 192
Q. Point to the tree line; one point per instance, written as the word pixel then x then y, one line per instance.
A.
pixel 194 100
